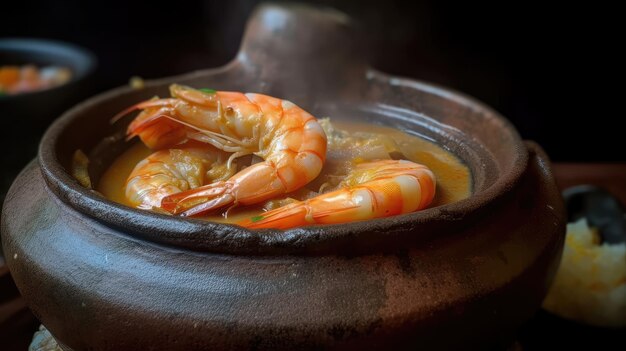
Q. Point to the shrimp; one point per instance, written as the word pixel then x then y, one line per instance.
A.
pixel 171 171
pixel 372 190
pixel 289 140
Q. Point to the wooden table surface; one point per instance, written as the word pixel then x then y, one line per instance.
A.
pixel 544 331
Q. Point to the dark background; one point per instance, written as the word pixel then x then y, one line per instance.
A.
pixel 551 69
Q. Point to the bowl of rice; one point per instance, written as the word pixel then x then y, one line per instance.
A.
pixel 590 285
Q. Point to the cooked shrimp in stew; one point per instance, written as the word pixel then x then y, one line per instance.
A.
pixel 263 162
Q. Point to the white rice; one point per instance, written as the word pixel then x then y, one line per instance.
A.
pixel 590 285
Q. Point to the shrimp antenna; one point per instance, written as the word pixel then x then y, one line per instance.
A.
pixel 155 101
pixel 207 132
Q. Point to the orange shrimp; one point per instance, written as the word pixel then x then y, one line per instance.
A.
pixel 171 171
pixel 289 140
pixel 372 190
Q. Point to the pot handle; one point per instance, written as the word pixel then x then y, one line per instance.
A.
pixel 292 40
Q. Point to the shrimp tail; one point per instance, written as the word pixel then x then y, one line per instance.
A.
pixel 136 127
pixel 284 217
pixel 293 215
pixel 200 200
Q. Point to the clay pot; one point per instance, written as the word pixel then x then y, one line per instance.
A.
pixel 102 276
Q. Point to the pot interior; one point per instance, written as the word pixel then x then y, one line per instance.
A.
pixel 493 164
pixel 468 151
pixel 297 62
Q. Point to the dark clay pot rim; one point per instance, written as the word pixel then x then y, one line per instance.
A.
pixel 81 61
pixel 201 235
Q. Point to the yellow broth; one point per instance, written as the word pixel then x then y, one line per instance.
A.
pixel 453 177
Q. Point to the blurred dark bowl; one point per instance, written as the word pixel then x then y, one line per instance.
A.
pixel 39 108
pixel 26 116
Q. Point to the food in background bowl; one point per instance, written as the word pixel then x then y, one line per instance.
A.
pixel 57 75
pixel 28 78
pixel 590 285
